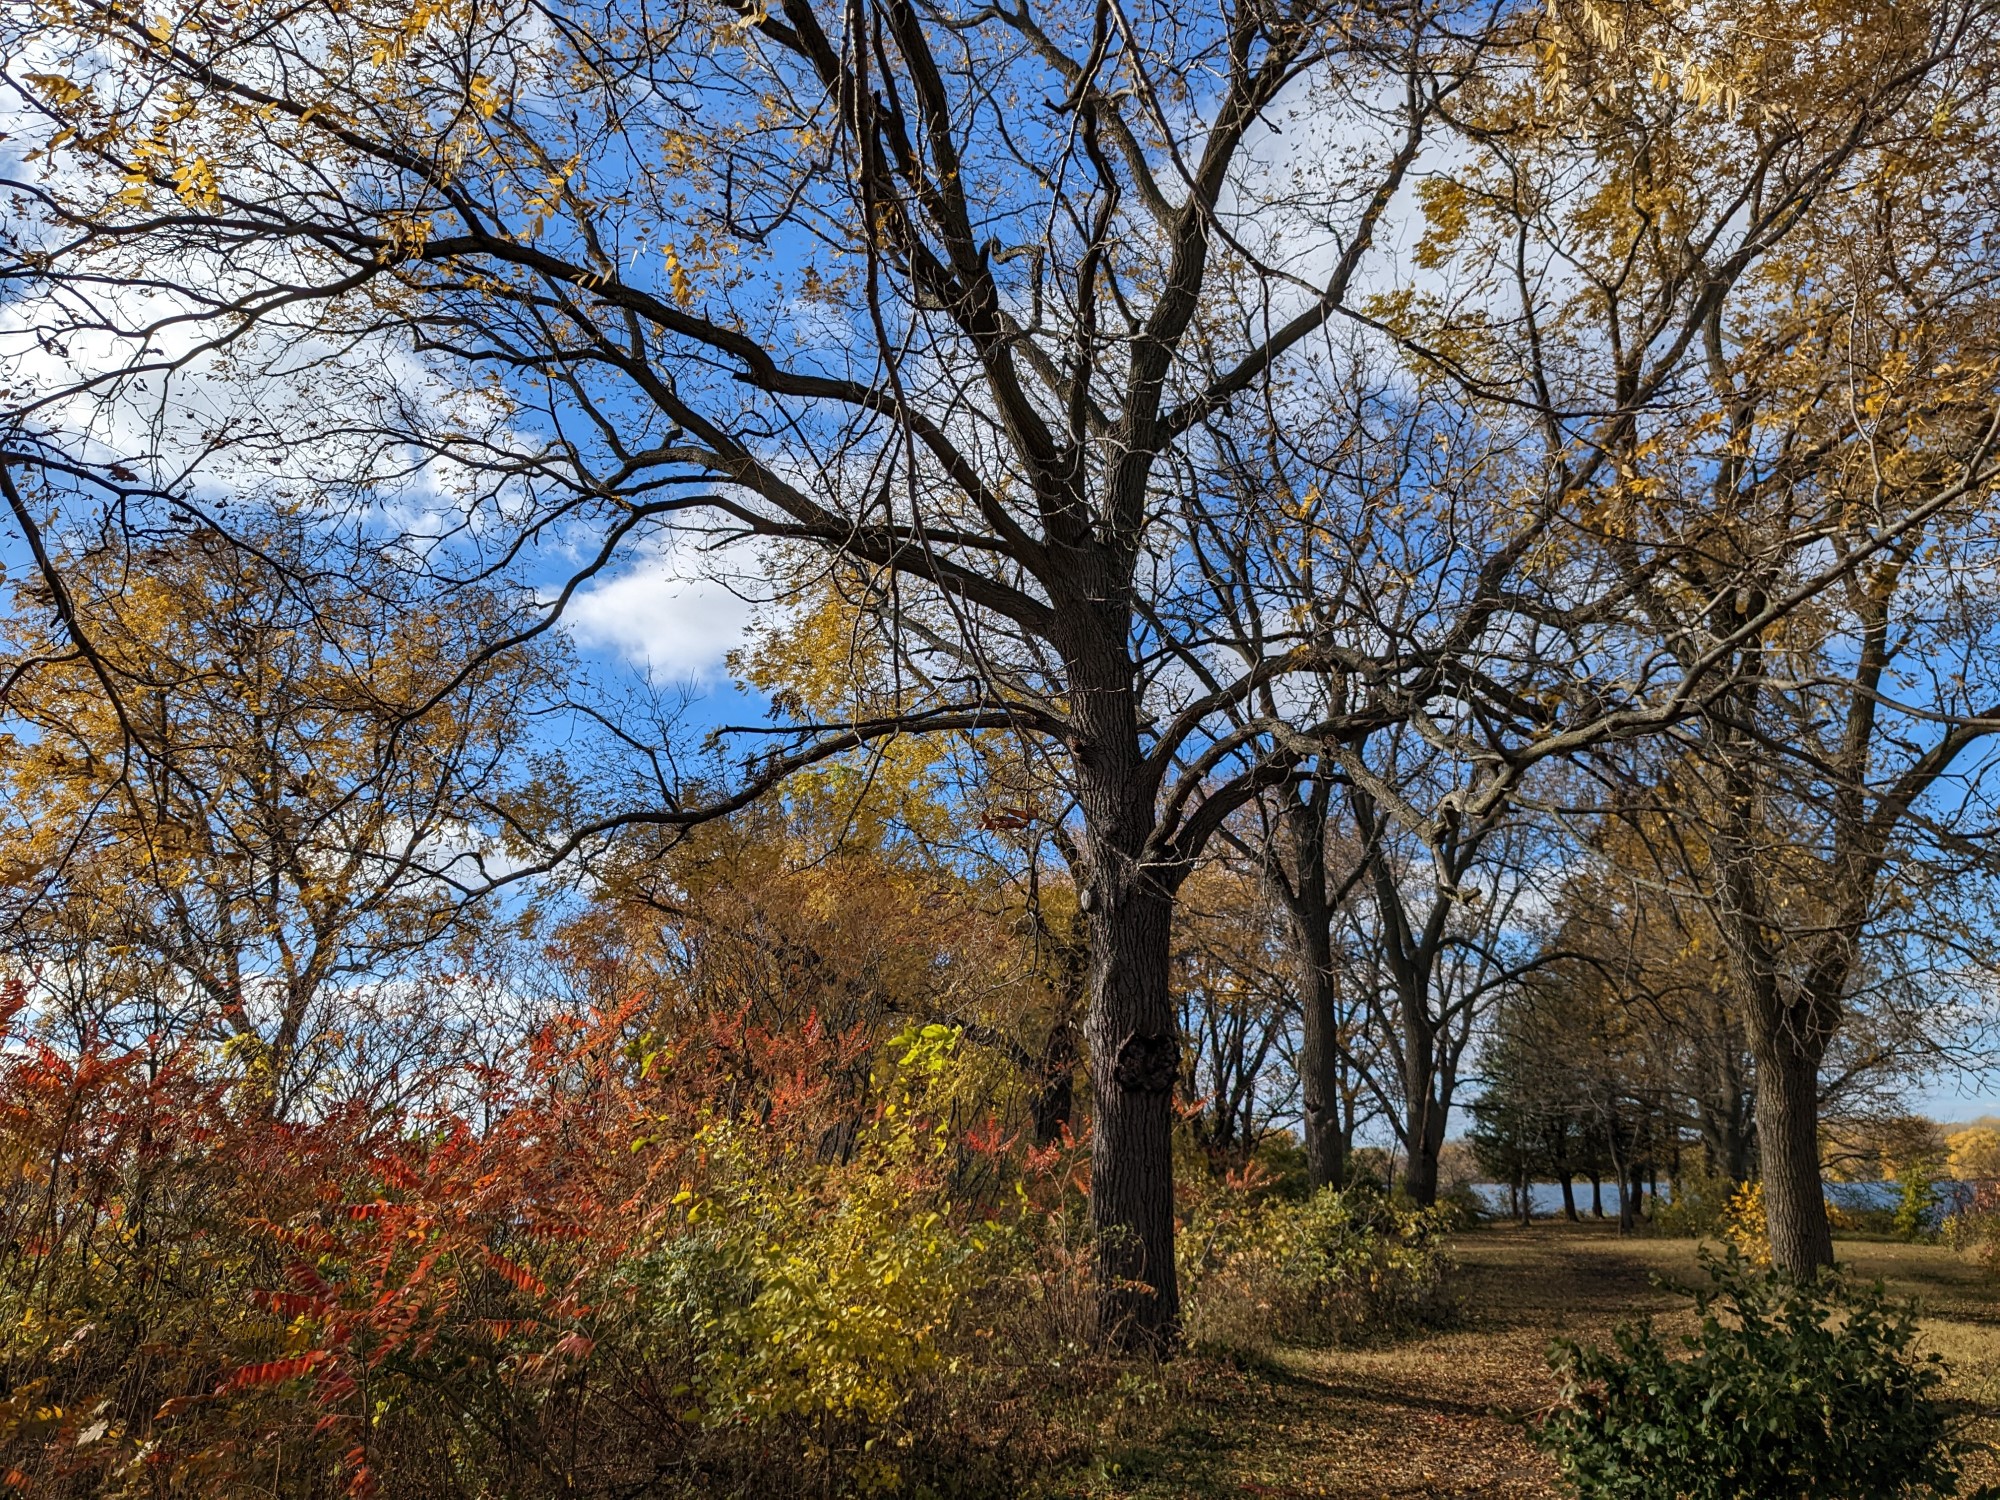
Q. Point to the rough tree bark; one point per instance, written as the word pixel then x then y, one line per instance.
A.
pixel 1130 1031
pixel 1310 905
pixel 1788 1059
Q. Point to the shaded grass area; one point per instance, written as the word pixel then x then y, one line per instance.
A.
pixel 1441 1414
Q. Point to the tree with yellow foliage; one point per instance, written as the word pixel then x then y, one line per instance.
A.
pixel 962 304
pixel 1974 1153
pixel 247 803
pixel 1781 430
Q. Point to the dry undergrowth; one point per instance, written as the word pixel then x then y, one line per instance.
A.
pixel 1439 1415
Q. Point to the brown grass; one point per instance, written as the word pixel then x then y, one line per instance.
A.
pixel 1441 1414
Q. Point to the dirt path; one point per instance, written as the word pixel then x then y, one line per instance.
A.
pixel 1441 1415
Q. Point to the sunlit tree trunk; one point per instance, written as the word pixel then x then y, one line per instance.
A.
pixel 1788 1141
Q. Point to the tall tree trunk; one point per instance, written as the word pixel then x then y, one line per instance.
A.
pixel 1597 1195
pixel 1412 960
pixel 1130 1028
pixel 1134 1064
pixel 1309 904
pixel 1788 1149
pixel 1319 1076
pixel 1423 1119
pixel 1424 1129
pixel 1565 1173
pixel 1788 1029
pixel 1621 1177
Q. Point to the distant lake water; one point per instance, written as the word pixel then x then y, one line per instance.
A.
pixel 1545 1198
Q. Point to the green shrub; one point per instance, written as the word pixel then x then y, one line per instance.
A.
pixel 1260 1272
pixel 1698 1208
pixel 1791 1389
pixel 822 1310
pixel 1917 1202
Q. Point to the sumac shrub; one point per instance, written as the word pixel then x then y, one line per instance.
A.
pixel 653 1255
pixel 1791 1388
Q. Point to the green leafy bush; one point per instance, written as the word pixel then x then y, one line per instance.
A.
pixel 1260 1272
pixel 1917 1202
pixel 823 1310
pixel 1698 1208
pixel 1791 1388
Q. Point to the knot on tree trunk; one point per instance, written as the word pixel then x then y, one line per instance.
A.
pixel 1147 1063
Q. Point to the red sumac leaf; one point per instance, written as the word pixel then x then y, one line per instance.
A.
pixel 271 1372
pixel 288 1304
pixel 518 1275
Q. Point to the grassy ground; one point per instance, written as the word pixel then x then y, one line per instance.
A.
pixel 1441 1414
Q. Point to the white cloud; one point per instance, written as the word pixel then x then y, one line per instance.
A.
pixel 677 612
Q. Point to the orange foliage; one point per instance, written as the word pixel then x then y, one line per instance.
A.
pixel 215 1295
